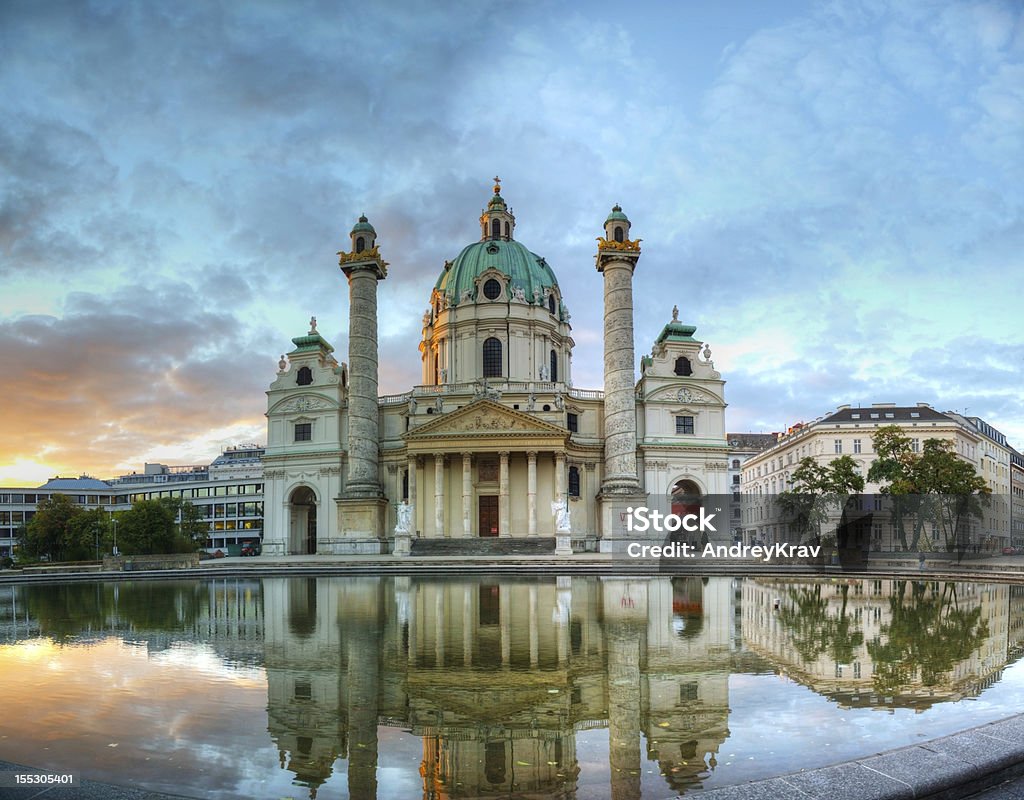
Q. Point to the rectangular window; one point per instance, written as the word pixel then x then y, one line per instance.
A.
pixel 839 446
pixel 736 480
pixel 684 424
pixel 915 445
pixel 303 431
pixel 572 422
pixel 856 445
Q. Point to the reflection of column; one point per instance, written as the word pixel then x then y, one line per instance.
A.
pixel 467 493
pixel 467 626
pixel 564 595
pixel 363 650
pixel 531 493
pixel 505 625
pixel 412 496
pixel 414 621
pixel 533 625
pixel 503 507
pixel 439 631
pixel 439 494
pixel 624 709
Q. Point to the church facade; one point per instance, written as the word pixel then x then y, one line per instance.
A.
pixel 495 442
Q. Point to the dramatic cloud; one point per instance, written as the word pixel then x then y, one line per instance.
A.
pixel 831 192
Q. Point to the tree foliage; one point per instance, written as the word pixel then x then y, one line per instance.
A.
pixel 933 486
pixel 151 527
pixel 816 490
pixel 61 530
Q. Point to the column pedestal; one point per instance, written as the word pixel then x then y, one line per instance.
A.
pixel 361 523
pixel 613 510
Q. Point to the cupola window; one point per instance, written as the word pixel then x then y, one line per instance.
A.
pixel 492 289
pixel 551 303
pixel 618 233
pixel 508 231
pixel 495 229
pixel 492 358
pixel 304 376
pixel 683 366
pixel 554 366
pixel 360 244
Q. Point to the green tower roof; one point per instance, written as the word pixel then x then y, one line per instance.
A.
pixel 528 271
pixel 676 331
pixel 363 226
pixel 617 215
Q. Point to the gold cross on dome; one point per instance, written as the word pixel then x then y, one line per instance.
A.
pixel 497 184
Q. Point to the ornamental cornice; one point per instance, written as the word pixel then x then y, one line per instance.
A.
pixel 306 402
pixel 626 246
pixel 367 259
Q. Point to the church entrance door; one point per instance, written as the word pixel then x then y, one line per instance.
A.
pixel 488 515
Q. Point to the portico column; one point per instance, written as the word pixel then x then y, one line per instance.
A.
pixel 467 493
pixel 503 507
pixel 439 495
pixel 531 492
pixel 560 477
pixel 412 496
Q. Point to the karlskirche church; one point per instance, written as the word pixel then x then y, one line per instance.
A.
pixel 495 450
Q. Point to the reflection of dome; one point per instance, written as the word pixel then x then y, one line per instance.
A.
pixel 527 270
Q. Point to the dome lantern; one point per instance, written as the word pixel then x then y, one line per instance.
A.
pixel 364 237
pixel 497 222
pixel 616 227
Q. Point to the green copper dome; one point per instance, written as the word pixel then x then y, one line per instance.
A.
pixel 528 271
pixel 363 226
pixel 616 215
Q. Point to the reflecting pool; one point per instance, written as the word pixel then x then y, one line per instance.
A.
pixel 569 687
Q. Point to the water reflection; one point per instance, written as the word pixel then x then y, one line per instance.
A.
pixel 547 688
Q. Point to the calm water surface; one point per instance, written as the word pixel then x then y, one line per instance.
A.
pixel 546 688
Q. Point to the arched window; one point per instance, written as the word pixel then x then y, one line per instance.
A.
pixel 551 303
pixel 405 485
pixel 360 244
pixel 683 366
pixel 304 376
pixel 437 370
pixel 495 229
pixel 736 463
pixel 574 482
pixel 508 231
pixel 492 358
pixel 554 366
pixel 618 233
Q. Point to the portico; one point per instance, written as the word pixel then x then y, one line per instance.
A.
pixel 493 472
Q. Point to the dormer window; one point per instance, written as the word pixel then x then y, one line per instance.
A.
pixel 683 366
pixel 619 235
pixel 304 376
pixel 360 244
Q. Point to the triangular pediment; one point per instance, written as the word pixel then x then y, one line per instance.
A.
pixel 485 419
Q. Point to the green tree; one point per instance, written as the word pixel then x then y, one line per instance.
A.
pixel 88 535
pixel 893 468
pixel 49 532
pixel 147 527
pixel 193 528
pixel 935 486
pixel 816 490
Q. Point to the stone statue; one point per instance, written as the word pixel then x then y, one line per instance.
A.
pixel 544 372
pixel 531 404
pixel 439 405
pixel 426 318
pixel 707 352
pixel 559 402
pixel 563 522
pixel 467 296
pixel 312 325
pixel 444 374
pixel 675 313
pixel 536 296
pixel 412 406
pixel 282 365
pixel 403 522
pixel 518 294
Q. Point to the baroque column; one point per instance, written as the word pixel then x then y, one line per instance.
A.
pixel 362 507
pixel 616 260
pixel 503 506
pixel 531 493
pixel 412 495
pixel 439 495
pixel 467 494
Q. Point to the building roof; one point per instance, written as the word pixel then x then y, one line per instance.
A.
pixel 751 441
pixel 527 271
pixel 883 412
pixel 84 482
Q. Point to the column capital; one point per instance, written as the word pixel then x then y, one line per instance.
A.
pixel 531 455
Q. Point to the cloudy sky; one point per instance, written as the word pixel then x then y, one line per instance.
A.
pixel 833 192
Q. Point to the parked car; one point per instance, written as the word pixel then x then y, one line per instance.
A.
pixel 1009 551
pixel 251 549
